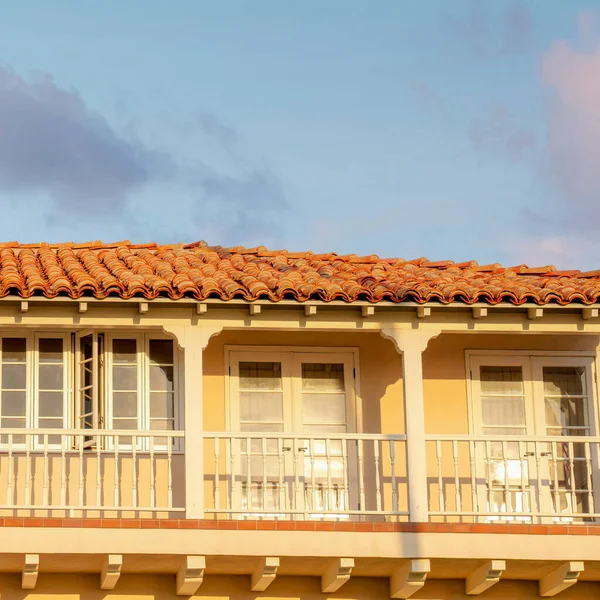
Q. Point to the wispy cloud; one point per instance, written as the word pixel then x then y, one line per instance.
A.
pixel 50 141
pixel 425 95
pixel 485 31
pixel 83 173
pixel 572 73
pixel 498 134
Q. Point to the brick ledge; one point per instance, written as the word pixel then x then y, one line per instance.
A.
pixel 222 524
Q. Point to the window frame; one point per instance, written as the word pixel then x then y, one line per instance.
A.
pixel 533 363
pixel 294 356
pixel 67 353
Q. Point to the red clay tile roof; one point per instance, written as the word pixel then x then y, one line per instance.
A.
pixel 199 271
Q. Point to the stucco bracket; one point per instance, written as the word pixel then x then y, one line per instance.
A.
pixel 484 577
pixel 409 578
pixel 187 335
pixel 190 575
pixel 336 575
pixel 405 339
pixel 264 575
pixel 31 568
pixel 561 578
pixel 111 571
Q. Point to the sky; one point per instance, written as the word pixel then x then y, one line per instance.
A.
pixel 461 130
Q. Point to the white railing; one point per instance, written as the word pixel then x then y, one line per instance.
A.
pixel 90 470
pixel 326 476
pixel 513 478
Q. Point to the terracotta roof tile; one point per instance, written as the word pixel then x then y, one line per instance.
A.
pixel 200 271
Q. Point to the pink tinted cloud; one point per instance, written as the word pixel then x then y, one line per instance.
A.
pixel 573 153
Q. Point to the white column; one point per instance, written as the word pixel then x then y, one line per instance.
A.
pixel 193 339
pixel 411 344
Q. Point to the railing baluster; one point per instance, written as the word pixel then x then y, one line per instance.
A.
pixel 45 494
pixel 80 495
pixel 588 474
pixel 312 495
pixel 248 474
pixel 98 472
pixel 152 474
pixel 281 467
pixel 27 469
pixel 538 470
pixel 438 457
pixel 9 490
pixel 458 499
pixel 233 488
pixel 217 491
pixel 394 484
pixel 170 442
pixel 377 475
pixel 361 476
pixel 489 475
pixel 555 478
pixel 473 467
pixel 63 471
pixel 117 481
pixel 571 459
pixel 134 493
pixel 345 496
pixel 263 448
pixel 328 500
pixel 297 504
pixel 524 489
pixel 507 492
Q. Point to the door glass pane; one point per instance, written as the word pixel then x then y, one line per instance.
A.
pixel 323 395
pixel 565 401
pixel 261 395
pixel 566 414
pixel 125 384
pixel 13 395
pixel 50 393
pixel 502 399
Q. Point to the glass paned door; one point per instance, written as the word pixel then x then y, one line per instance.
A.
pixel 502 408
pixel 563 389
pixel 536 399
pixel 324 412
pixel 291 395
pixel 260 386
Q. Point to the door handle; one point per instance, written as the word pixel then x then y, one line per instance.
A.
pixel 529 454
pixel 545 453
pixel 287 448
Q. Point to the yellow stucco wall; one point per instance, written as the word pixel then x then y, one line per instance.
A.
pixel 380 371
pixel 162 587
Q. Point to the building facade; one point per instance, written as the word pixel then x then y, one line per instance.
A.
pixel 242 423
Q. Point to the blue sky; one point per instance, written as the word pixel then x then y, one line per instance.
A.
pixel 462 130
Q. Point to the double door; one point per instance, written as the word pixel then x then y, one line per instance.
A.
pixel 532 415
pixel 292 410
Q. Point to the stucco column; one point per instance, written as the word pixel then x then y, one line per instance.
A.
pixel 411 343
pixel 193 339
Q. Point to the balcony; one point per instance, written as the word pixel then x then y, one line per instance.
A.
pixel 282 476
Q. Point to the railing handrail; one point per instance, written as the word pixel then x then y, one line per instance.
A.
pixel 277 435
pixel 94 432
pixel 511 438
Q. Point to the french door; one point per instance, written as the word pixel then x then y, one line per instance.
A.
pixel 306 401
pixel 546 403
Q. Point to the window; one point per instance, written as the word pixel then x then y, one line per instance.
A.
pixel 86 380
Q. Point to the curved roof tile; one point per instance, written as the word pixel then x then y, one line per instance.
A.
pixel 200 271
